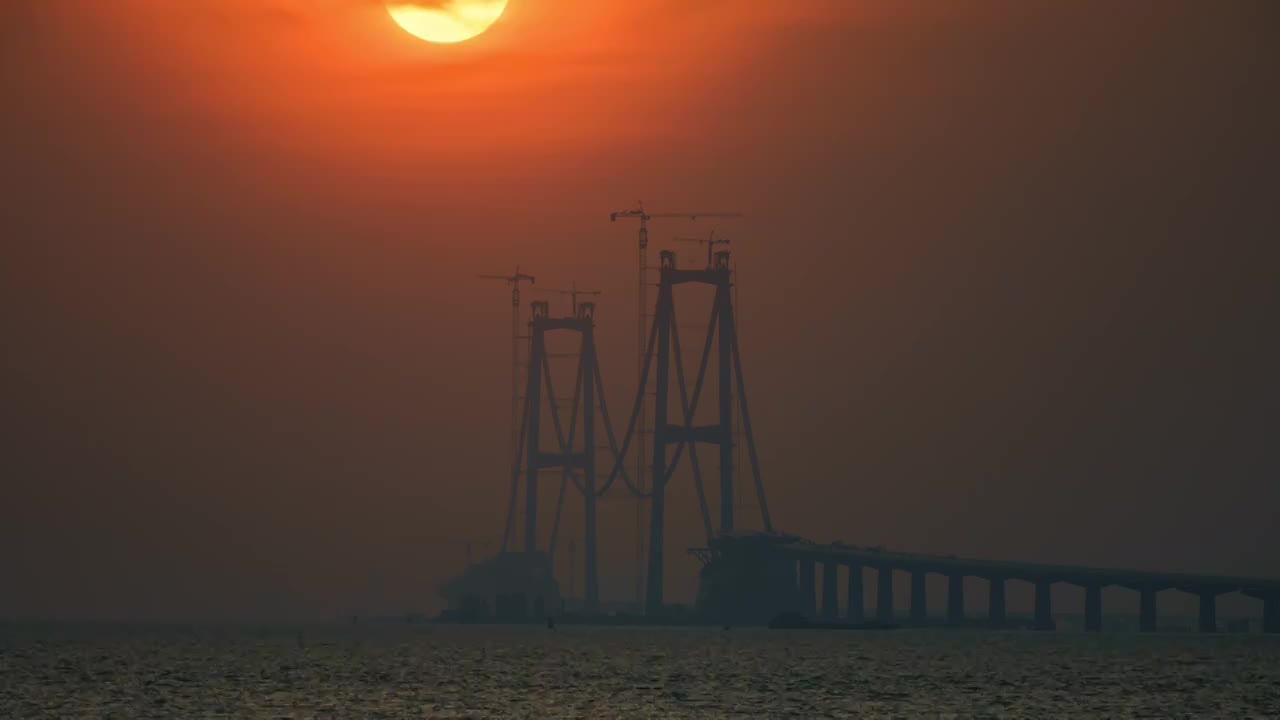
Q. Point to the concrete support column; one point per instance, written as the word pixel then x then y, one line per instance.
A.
pixel 1208 611
pixel 1271 612
pixel 808 595
pixel 1093 607
pixel 919 602
pixel 995 602
pixel 884 595
pixel 1044 605
pixel 853 601
pixel 955 599
pixel 1147 610
pixel 830 595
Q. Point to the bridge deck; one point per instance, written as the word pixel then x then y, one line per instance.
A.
pixel 877 557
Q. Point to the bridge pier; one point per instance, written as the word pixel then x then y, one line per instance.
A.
pixel 919 602
pixel 853 601
pixel 884 594
pixel 1147 609
pixel 756 576
pixel 1093 607
pixel 1044 607
pixel 830 595
pixel 808 595
pixel 995 601
pixel 955 599
pixel 1208 611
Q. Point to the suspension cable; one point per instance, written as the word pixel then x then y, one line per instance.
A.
pixel 635 412
pixel 746 421
pixel 688 426
pixel 566 445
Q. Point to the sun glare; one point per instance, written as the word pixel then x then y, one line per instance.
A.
pixel 447 21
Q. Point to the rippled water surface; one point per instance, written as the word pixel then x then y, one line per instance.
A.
pixel 448 671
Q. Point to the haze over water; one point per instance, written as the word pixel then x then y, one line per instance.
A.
pixel 332 671
pixel 1005 271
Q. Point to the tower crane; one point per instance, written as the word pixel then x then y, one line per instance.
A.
pixel 573 292
pixel 644 217
pixel 514 280
pixel 710 241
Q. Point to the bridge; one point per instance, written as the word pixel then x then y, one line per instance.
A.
pixel 747 577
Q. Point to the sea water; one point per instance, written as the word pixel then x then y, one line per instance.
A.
pixel 430 671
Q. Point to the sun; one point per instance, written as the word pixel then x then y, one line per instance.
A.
pixel 446 21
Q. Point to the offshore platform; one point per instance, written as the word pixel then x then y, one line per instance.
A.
pixel 747 576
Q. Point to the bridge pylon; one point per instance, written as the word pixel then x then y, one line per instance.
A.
pixel 664 352
pixel 575 455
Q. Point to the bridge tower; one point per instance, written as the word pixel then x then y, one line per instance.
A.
pixel 664 348
pixel 574 457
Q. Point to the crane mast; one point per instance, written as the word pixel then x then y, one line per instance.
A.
pixel 514 281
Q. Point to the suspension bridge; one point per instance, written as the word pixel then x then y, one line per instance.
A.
pixel 747 576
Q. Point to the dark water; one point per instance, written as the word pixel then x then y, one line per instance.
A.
pixel 447 671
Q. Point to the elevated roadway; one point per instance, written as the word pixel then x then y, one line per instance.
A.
pixel 758 562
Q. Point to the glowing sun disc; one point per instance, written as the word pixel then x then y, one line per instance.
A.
pixel 446 21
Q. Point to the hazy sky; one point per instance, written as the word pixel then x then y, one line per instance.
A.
pixel 1007 280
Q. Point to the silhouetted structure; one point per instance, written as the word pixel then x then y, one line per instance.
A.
pixel 746 577
pixel 517 586
pixel 662 347
pixel 514 281
pixel 736 562
pixel 639 213
pixel 577 463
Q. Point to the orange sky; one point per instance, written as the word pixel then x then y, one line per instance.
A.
pixel 250 367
